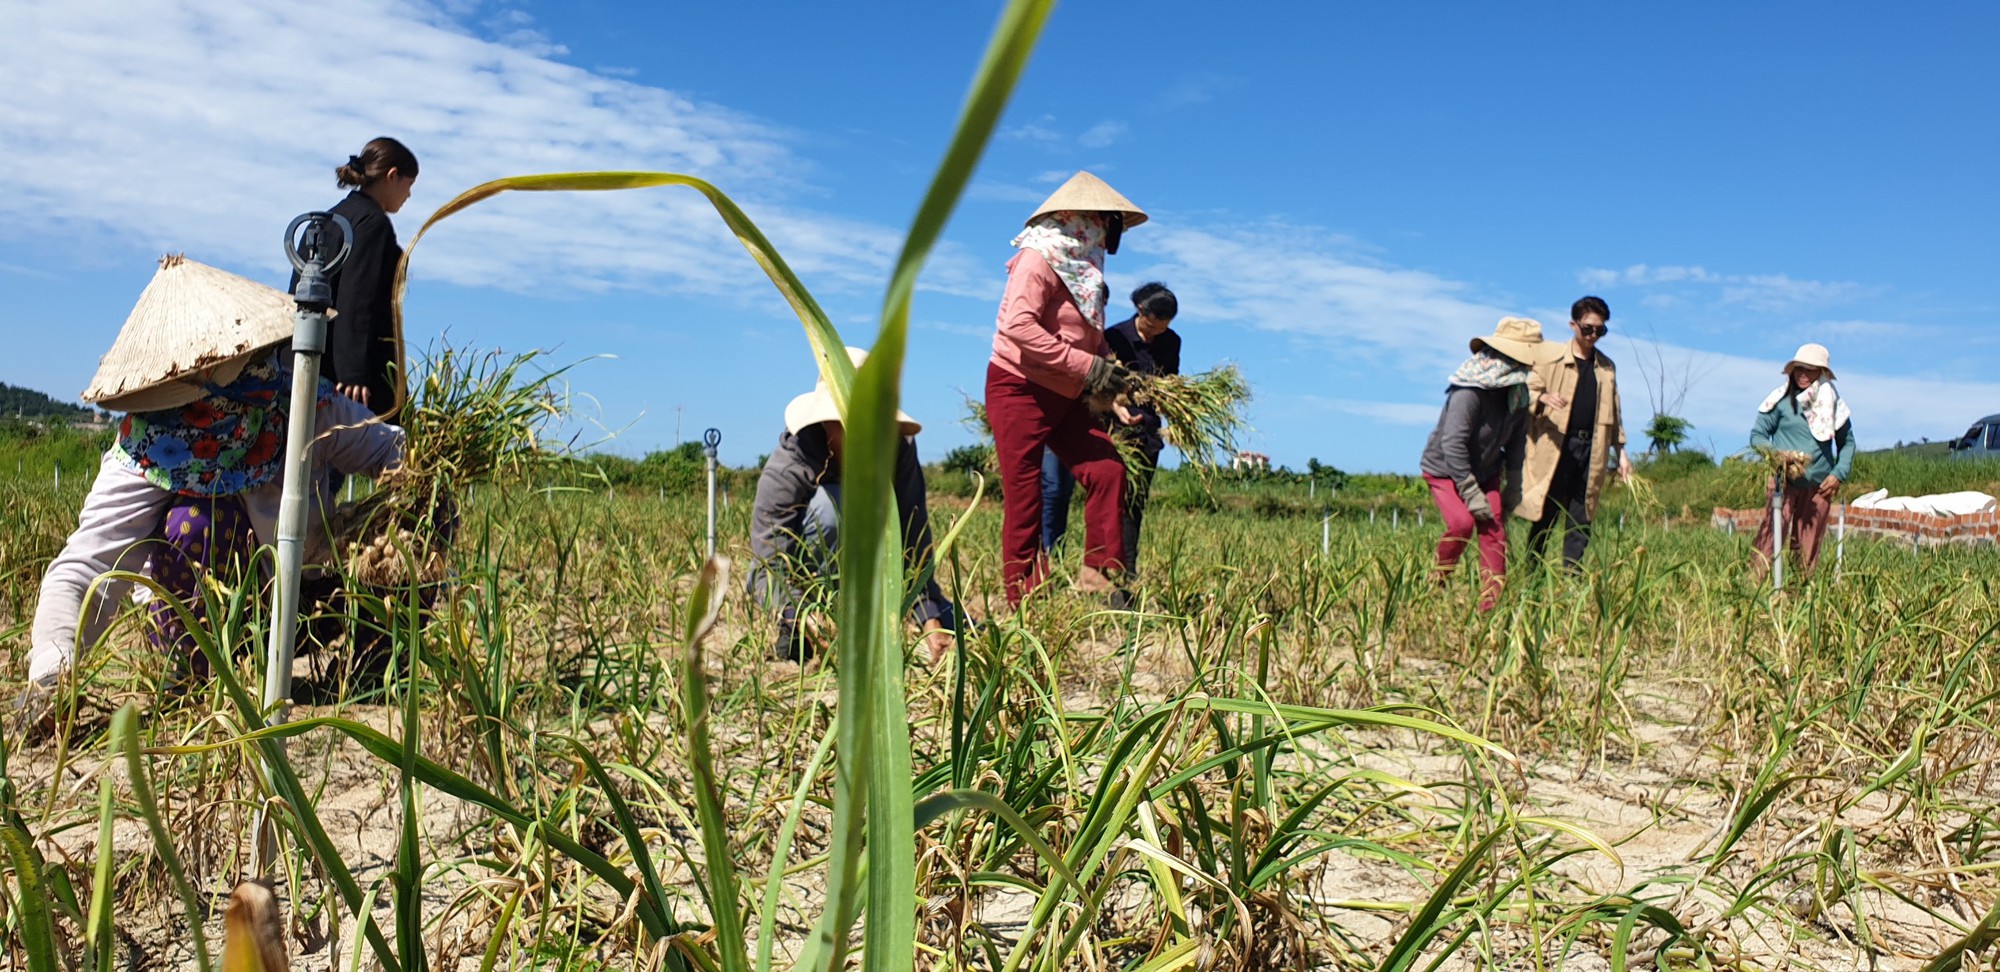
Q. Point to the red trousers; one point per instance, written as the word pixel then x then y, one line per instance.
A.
pixel 1026 417
pixel 1805 524
pixel 1460 525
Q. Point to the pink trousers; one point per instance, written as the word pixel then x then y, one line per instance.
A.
pixel 1459 528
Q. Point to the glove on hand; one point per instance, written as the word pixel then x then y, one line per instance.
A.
pixel 1107 379
pixel 1475 499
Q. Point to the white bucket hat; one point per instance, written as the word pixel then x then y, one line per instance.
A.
pixel 193 325
pixel 1520 338
pixel 1811 356
pixel 1086 193
pixel 817 406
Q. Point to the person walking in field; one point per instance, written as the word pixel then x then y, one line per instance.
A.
pixel 1478 445
pixel 1050 362
pixel 1805 415
pixel 192 483
pixel 363 349
pixel 1576 435
pixel 1146 344
pixel 795 525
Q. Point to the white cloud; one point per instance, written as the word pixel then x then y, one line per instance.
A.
pixel 1102 134
pixel 1877 331
pixel 985 191
pixel 1768 292
pixel 1196 89
pixel 1039 130
pixel 1400 323
pixel 1394 413
pixel 1304 281
pixel 206 125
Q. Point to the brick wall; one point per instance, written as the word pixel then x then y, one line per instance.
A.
pixel 1928 530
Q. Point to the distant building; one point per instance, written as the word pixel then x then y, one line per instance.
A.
pixel 1255 461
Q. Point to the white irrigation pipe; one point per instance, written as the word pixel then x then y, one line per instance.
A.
pixel 711 440
pixel 313 295
pixel 1777 539
pixel 1840 542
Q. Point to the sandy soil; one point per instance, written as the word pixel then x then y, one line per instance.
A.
pixel 1642 803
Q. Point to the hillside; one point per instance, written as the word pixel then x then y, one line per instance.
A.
pixel 29 403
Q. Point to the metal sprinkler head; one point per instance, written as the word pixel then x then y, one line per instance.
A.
pixel 309 254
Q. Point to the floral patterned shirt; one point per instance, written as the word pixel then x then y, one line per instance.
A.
pixel 225 443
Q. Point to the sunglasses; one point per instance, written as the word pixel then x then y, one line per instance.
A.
pixel 1594 330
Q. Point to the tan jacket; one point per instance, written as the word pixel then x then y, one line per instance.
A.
pixel 1548 427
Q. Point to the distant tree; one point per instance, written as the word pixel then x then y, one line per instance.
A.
pixel 970 459
pixel 29 403
pixel 1667 387
pixel 1667 432
pixel 1319 471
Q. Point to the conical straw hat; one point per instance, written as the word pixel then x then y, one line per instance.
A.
pixel 193 324
pixel 1086 193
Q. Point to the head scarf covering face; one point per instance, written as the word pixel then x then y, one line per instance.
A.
pixel 1073 245
pixel 1488 368
pixel 229 441
pixel 1824 409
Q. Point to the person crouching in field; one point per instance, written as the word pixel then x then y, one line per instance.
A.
pixel 192 483
pixel 795 524
pixel 1804 415
pixel 1576 434
pixel 1479 442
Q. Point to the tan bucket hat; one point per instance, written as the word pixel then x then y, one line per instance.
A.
pixel 1086 193
pixel 193 324
pixel 1812 356
pixel 1520 338
pixel 817 406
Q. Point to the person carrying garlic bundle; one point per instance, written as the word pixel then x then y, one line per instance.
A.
pixel 191 485
pixel 1806 418
pixel 1050 363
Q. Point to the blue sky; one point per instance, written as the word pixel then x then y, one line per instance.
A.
pixel 1342 194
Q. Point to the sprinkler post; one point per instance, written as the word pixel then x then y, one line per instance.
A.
pixel 309 247
pixel 1777 540
pixel 711 440
pixel 1840 542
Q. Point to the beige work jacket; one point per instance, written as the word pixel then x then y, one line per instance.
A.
pixel 1548 427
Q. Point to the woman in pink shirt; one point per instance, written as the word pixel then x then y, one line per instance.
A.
pixel 1049 363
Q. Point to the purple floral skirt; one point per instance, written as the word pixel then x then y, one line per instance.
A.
pixel 202 537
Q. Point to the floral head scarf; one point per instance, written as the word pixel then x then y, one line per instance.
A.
pixel 1824 409
pixel 229 441
pixel 1073 245
pixel 1488 368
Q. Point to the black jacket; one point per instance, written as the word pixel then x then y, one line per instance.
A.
pixel 361 340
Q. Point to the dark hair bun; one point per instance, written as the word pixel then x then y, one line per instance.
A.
pixel 374 161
